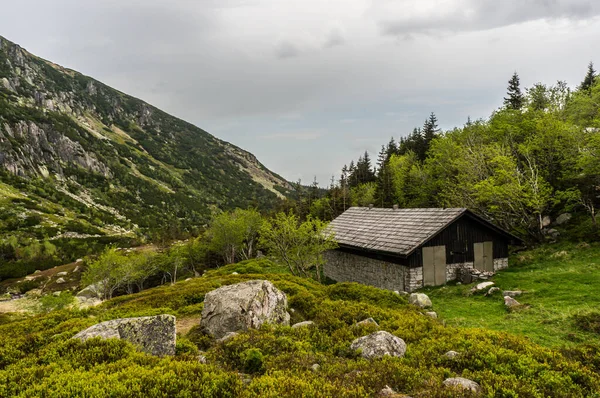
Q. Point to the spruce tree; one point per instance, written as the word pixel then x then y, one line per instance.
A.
pixel 515 97
pixel 391 149
pixel 588 82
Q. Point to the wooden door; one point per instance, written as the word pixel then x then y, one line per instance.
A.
pixel 484 256
pixel 434 265
pixel 488 256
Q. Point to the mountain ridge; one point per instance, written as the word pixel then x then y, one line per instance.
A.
pixel 126 161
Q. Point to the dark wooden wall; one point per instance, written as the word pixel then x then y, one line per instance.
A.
pixel 459 238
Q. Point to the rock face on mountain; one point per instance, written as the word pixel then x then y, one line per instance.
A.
pixel 153 334
pixel 127 162
pixel 243 306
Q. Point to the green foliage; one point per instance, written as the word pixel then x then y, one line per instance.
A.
pixel 297 245
pixel 589 321
pixel 253 361
pixel 51 302
pixel 38 358
pixel 234 234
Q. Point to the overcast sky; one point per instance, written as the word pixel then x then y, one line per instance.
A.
pixel 309 85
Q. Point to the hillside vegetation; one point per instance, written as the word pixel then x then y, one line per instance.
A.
pixel 82 161
pixel 37 357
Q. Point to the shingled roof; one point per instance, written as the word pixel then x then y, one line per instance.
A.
pixel 397 231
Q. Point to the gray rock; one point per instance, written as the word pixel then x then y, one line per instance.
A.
pixel 153 334
pixel 546 221
pixel 431 314
pixel 492 291
pixel 57 293
pixel 512 293
pixel 202 359
pixel 234 273
pixel 315 367
pixel 387 391
pixel 482 286
pixel 552 233
pixel 63 273
pixel 420 300
pixel 94 291
pixel 243 306
pixel 368 321
pixel 563 218
pixel 303 324
pixel 379 344
pixel 60 281
pixel 510 302
pixel 451 354
pixel 227 336
pixel 462 383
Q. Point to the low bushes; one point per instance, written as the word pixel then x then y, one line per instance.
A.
pixel 37 357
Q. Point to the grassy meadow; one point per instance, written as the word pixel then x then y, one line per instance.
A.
pixel 561 300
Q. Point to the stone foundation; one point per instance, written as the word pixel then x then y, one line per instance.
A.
pixel 451 270
pixel 347 267
pixel 413 279
pixel 500 263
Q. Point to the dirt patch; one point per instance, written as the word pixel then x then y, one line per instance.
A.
pixel 183 325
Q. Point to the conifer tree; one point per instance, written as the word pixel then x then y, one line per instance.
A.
pixel 515 97
pixel 430 129
pixel 391 149
pixel 588 82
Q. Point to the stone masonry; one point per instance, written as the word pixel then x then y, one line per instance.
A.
pixel 347 267
pixel 451 270
pixel 500 263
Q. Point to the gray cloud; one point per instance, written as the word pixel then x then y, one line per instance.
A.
pixel 286 49
pixel 335 38
pixel 404 18
pixel 297 87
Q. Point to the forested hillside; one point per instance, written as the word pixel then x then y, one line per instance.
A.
pixel 538 155
pixel 81 162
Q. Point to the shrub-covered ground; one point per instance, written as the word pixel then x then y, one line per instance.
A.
pixel 561 300
pixel 37 357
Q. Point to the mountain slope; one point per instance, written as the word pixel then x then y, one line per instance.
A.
pixel 115 162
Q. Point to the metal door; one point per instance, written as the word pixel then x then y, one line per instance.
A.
pixel 434 265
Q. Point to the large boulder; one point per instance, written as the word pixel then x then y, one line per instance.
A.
pixel 243 306
pixel 379 344
pixel 420 300
pixel 153 334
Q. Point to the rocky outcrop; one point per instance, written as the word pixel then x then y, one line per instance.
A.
pixel 512 293
pixel 152 334
pixel 463 384
pixel 420 300
pixel 379 344
pixel 243 306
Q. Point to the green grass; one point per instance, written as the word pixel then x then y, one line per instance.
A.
pixel 559 282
